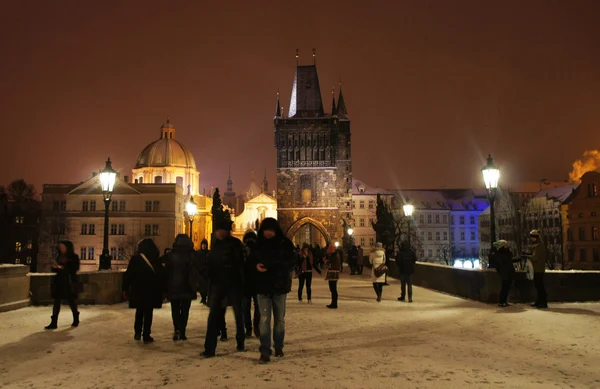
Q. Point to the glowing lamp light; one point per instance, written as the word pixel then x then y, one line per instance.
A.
pixel 491 174
pixel 350 231
pixel 408 209
pixel 477 264
pixel 191 207
pixel 467 265
pixel 458 264
pixel 107 179
pixel 337 244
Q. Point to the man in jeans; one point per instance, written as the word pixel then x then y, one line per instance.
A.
pixel 539 256
pixel 405 260
pixel 275 261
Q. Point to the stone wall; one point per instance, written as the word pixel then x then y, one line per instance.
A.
pixel 484 285
pixel 14 287
pixel 99 287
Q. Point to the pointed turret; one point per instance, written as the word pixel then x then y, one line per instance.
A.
pixel 333 108
pixel 278 109
pixel 229 182
pixel 342 111
pixel 265 183
pixel 306 93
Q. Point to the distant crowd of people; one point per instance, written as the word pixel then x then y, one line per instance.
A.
pixel 256 271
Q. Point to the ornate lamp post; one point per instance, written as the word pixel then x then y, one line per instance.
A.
pixel 491 176
pixel 408 211
pixel 191 209
pixel 107 182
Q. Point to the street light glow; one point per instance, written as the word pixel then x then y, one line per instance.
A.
pixel 107 179
pixel 337 244
pixel 350 231
pixel 491 174
pixel 191 207
pixel 408 209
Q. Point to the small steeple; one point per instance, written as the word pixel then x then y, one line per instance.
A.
pixel 314 56
pixel 265 183
pixel 342 111
pixel 167 130
pixel 229 182
pixel 333 108
pixel 297 56
pixel 278 109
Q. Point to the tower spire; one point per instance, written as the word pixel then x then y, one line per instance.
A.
pixel 342 111
pixel 333 108
pixel 265 183
pixel 297 56
pixel 278 109
pixel 314 56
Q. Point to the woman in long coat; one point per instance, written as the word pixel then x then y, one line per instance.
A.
pixel 334 266
pixel 65 285
pixel 143 285
pixel 377 258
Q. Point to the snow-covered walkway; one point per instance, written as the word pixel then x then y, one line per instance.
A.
pixel 437 342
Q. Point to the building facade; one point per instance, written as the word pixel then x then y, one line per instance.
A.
pixel 19 231
pixel 255 211
pixel 314 163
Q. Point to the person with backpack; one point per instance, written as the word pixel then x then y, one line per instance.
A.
pixel 143 285
pixel 180 276
pixel 378 263
pixel 405 260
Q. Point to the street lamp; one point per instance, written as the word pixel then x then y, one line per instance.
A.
pixel 408 211
pixel 191 209
pixel 491 176
pixel 350 231
pixel 337 244
pixel 107 183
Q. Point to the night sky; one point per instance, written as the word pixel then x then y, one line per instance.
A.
pixel 431 86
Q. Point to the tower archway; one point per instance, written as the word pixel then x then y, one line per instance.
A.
pixel 308 230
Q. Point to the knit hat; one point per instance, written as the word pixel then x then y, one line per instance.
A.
pixel 223 225
pixel 500 243
pixel 534 233
pixel 250 234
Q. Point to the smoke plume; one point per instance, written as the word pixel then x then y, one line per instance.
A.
pixel 589 163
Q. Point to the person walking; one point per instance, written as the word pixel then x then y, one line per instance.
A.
pixel 250 296
pixel 539 256
pixel 143 285
pixel 504 263
pixel 275 261
pixel 333 265
pixel 178 271
pixel 405 260
pixel 225 268
pixel 360 260
pixel 377 259
pixel 65 284
pixel 201 259
pixel 353 260
pixel 306 265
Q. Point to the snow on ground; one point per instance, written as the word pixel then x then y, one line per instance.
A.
pixel 437 342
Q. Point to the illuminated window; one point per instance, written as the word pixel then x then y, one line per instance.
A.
pixel 594 233
pixel 155 230
pixel 28 260
pixel 90 253
pixel 29 244
pixel 18 247
pixel 121 255
pixel 83 253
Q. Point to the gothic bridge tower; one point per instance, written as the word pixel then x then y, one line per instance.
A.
pixel 314 163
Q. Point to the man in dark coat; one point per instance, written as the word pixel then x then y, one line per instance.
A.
pixel 64 285
pixel 143 285
pixel 178 270
pixel 353 260
pixel 405 260
pixel 201 263
pixel 225 268
pixel 250 271
pixel 504 263
pixel 276 259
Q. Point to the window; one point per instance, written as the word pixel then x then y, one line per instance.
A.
pixel 452 235
pixel 84 229
pixel 429 219
pixel 592 190
pixel 29 244
pixel 437 235
pixel 437 253
pixel 83 253
pixel 462 236
pixel 113 252
pixel 155 230
pixel 452 220
pixel 473 235
pixel 121 229
pixel 148 230
pixel 92 205
pixel 121 205
pixel 429 253
pixel 156 206
pixel 422 219
pixel 445 219
pixel 371 242
pixel 28 261
pixel 55 205
pixel 445 235
pixel 85 205
pixel 472 220
pixel 114 207
pixel 594 233
pixel 582 255
pixel 90 253
pixel 18 247
pixel 148 206
pixel 371 204
pixel 92 229
pixel 461 220
pixel 596 255
pixel 362 222
pixel 362 242
pixel 429 235
pixel 20 220
pixel 421 235
pixel 179 181
pixel 582 234
pixel 361 204
pixel 437 219
pixel 113 230
pixel 158 180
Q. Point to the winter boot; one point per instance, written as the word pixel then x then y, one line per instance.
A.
pixel 224 336
pixel 241 347
pixel 264 359
pixel 208 354
pixel 248 333
pixel 75 319
pixel 331 306
pixel 279 353
pixel 148 339
pixel 176 335
pixel 410 300
pixel 182 335
pixel 53 324
pixel 137 336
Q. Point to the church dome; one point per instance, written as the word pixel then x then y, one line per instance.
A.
pixel 166 151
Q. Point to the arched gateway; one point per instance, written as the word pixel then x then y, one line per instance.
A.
pixel 308 230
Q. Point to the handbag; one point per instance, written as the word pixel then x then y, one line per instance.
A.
pixel 529 273
pixel 380 270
